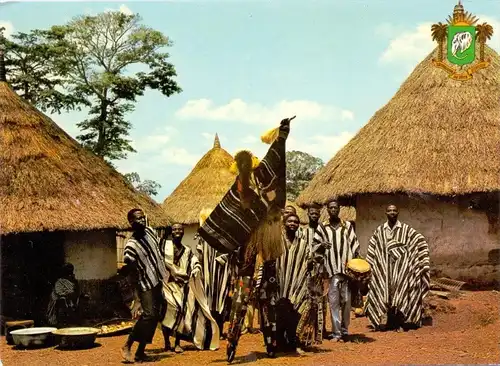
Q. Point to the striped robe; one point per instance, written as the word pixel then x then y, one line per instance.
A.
pixel 344 246
pixel 187 311
pixel 291 271
pixel 400 264
pixel 230 226
pixel 216 275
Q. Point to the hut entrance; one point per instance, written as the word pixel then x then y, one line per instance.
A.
pixel 30 266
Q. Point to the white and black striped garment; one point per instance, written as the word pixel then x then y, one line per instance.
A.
pixel 344 246
pixel 145 252
pixel 216 276
pixel 400 274
pixel 291 271
pixel 187 310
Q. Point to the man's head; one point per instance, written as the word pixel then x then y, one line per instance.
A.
pixel 177 232
pixel 292 223
pixel 314 213
pixel 392 213
pixel 289 210
pixel 137 219
pixel 333 209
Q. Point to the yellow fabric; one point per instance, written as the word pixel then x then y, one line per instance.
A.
pixel 270 136
pixel 358 265
pixel 204 215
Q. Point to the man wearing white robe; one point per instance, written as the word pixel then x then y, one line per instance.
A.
pixel 187 311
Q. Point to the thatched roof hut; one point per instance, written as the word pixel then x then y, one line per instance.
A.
pixel 204 187
pixel 433 150
pixel 436 135
pixel 49 182
pixel 347 213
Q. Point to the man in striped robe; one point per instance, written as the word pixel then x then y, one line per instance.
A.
pixel 320 283
pixel 216 279
pixel 247 222
pixel 144 262
pixel 400 278
pixel 343 246
pixel 187 311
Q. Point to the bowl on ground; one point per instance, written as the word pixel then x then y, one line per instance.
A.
pixel 77 337
pixel 33 337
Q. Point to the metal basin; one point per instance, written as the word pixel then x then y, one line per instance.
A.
pixel 32 337
pixel 78 337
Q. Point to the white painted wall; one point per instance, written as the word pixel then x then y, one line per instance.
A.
pixel 189 233
pixel 93 253
pixel 458 238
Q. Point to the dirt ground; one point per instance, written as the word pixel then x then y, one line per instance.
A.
pixel 465 331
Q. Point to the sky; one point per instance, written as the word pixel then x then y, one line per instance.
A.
pixel 245 65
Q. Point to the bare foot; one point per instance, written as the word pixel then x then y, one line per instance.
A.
pixel 127 354
pixel 178 349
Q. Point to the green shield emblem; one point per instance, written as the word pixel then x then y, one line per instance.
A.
pixel 461 48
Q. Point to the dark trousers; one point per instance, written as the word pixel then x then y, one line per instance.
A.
pixel 151 303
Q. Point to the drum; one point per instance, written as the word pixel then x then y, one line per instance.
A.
pixel 358 270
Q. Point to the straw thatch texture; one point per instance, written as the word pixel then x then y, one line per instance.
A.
pixel 49 182
pixel 436 135
pixel 347 213
pixel 204 187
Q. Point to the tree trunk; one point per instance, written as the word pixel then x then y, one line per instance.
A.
pixel 481 51
pixel 101 132
pixel 440 51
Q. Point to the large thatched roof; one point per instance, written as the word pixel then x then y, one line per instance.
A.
pixel 436 135
pixel 49 182
pixel 347 213
pixel 204 187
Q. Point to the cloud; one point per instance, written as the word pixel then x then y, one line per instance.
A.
pixel 321 146
pixel 238 110
pixel 125 10
pixel 409 47
pixel 155 142
pixel 179 156
pixel 9 28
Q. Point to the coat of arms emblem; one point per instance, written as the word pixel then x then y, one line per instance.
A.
pixel 460 36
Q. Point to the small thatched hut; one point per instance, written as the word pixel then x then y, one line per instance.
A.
pixel 59 203
pixel 204 187
pixel 433 150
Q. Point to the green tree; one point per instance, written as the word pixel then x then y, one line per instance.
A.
pixel 29 60
pixel 300 169
pixel 90 57
pixel 149 187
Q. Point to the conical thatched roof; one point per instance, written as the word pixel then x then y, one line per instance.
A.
pixel 436 135
pixel 49 182
pixel 347 213
pixel 203 188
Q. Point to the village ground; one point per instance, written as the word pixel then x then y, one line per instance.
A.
pixel 465 331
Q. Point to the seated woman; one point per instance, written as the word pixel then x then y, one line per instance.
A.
pixel 64 299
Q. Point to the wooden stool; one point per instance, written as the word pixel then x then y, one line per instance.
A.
pixel 16 324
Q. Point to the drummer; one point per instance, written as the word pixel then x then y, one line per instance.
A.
pixel 343 246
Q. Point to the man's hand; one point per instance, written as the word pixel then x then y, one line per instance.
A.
pixel 285 124
pixel 182 278
pixel 136 309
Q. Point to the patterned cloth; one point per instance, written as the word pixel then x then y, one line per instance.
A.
pixel 400 274
pixel 230 226
pixel 344 245
pixel 187 310
pixel 66 290
pixel 144 251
